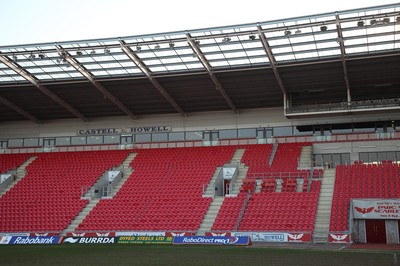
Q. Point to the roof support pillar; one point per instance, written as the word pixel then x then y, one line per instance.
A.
pixel 343 59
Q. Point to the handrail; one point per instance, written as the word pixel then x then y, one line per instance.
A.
pixel 242 210
pixel 274 175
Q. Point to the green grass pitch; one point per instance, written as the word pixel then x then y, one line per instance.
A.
pixel 185 255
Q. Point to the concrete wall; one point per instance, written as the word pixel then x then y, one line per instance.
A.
pixel 354 148
pixel 194 121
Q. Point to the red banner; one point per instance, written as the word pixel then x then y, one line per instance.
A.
pixel 339 238
pixel 218 234
pixel 179 234
pixel 107 234
pixel 299 237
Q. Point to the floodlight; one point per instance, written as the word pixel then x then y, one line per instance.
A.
pixel 107 50
pixel 324 28
pixel 93 52
pixel 252 37
pixel 32 56
pixel 15 57
pixel 157 46
pixel 79 52
pixel 288 32
pixel 386 20
pixel 197 42
pixel 138 48
pixel 298 31
pixel 372 22
pixel 41 55
pixel 360 23
pixel 171 45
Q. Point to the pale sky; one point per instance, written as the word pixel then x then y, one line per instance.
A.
pixel 38 21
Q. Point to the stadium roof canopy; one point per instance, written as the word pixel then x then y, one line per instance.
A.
pixel 337 58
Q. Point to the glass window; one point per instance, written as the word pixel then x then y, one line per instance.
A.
pixel 228 134
pixel 78 140
pixel 391 155
pixel 94 139
pixel 159 137
pixel 63 141
pixel 283 131
pixel 176 136
pixel 297 132
pixel 318 160
pixel 247 133
pixel 31 142
pixel 3 143
pixel 381 156
pixel 373 157
pixel 15 143
pixel 111 139
pixel 346 158
pixel 342 130
pixel 143 138
pixel 364 157
pixel 127 139
pixel 194 135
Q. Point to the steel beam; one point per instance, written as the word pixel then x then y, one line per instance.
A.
pixel 19 110
pixel 343 59
pixel 26 75
pixel 209 70
pixel 139 63
pixel 79 67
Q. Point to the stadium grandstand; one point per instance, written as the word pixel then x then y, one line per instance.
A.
pixel 284 131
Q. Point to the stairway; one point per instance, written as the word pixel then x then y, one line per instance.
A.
pixel 278 185
pixel 211 186
pixel 300 183
pixel 305 158
pixel 127 171
pixel 21 172
pixel 274 148
pixel 322 219
pixel 258 186
pixel 210 216
pixel 81 216
pixel 237 156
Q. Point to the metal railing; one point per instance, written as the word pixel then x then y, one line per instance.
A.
pixel 278 175
pixel 242 210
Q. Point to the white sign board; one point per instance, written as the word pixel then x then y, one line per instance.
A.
pixel 376 209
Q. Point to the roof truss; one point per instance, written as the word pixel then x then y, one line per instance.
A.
pixel 209 70
pixel 79 67
pixel 22 72
pixel 128 51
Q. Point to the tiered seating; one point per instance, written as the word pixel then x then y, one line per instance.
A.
pixel 268 185
pixel 12 161
pixel 287 157
pixel 48 197
pixel 289 185
pixel 361 181
pixel 269 210
pixel 163 193
pixel 257 157
pixel 315 185
pixel 229 213
pixel 248 185
pixel 284 164
pixel 286 211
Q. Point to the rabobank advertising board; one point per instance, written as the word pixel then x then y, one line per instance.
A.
pixel 212 240
pixel 37 240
